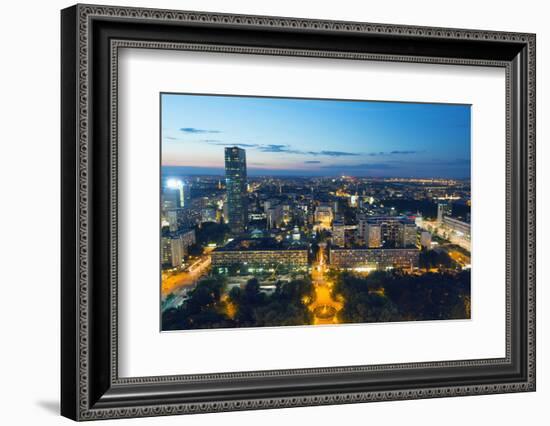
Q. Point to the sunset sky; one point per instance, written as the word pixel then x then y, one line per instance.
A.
pixel 308 137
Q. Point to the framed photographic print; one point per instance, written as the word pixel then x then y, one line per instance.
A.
pixel 265 212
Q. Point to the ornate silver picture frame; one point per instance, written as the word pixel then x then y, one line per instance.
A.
pixel 91 38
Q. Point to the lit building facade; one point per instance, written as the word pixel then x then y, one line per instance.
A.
pixel 175 201
pixel 338 233
pixel 188 238
pixel 323 217
pixel 171 217
pixel 458 226
pixel 260 254
pixel 382 231
pixel 171 252
pixel 409 234
pixel 209 214
pixel 274 216
pixel 374 259
pixel 236 187
pixel 443 209
pixel 172 199
pixel 174 247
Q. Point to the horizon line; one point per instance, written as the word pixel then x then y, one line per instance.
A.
pixel 222 173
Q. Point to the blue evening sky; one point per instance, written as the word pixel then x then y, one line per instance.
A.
pixel 310 137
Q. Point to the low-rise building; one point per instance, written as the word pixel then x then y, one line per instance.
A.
pixel 259 255
pixel 365 259
pixel 457 226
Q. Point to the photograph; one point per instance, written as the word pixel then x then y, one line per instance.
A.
pixel 266 208
pixel 302 212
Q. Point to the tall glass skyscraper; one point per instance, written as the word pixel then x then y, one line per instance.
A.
pixel 236 185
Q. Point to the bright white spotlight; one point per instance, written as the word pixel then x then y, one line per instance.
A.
pixel 174 183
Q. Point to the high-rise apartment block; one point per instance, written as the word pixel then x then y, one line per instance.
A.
pixel 323 217
pixel 174 247
pixel 387 231
pixel 338 233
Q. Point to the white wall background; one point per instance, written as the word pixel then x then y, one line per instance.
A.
pixel 29 213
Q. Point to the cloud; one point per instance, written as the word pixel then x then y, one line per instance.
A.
pixel 194 130
pixel 276 148
pixel 312 162
pixel 396 152
pixel 279 148
pixel 218 142
pixel 270 148
pixel 334 153
pixel 242 145
pixel 372 166
pixel 171 138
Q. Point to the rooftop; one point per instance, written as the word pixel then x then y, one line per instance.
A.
pixel 251 244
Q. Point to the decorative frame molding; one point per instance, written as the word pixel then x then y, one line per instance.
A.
pixel 91 388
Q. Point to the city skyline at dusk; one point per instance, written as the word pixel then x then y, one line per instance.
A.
pixel 309 137
pixel 288 212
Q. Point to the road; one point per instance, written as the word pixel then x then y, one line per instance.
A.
pixel 185 278
pixel 325 307
pixel 462 259
pixel 178 284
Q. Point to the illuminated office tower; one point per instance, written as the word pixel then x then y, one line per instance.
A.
pixel 235 183
pixel 172 203
pixel 171 199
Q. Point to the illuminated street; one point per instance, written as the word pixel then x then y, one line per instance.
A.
pixel 324 307
pixel 460 258
pixel 188 278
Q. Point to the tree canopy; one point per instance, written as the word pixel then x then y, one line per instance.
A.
pixel 394 296
pixel 206 306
